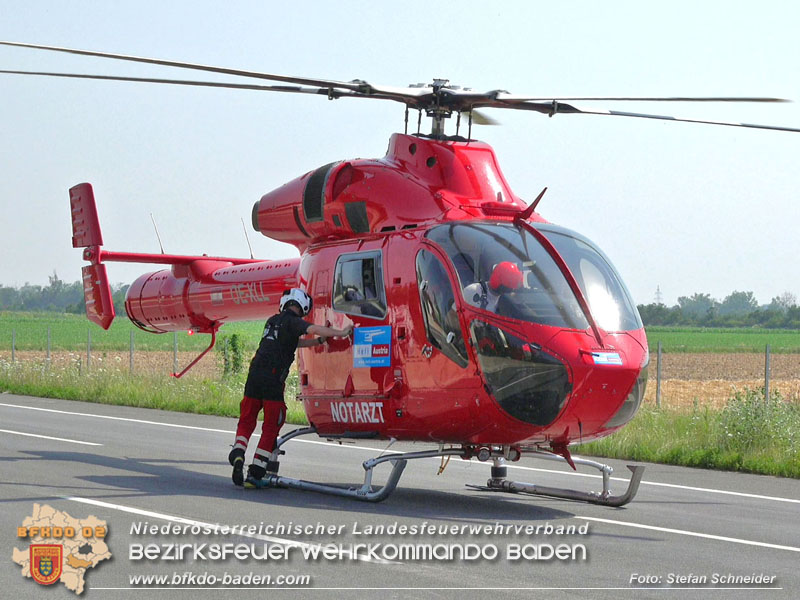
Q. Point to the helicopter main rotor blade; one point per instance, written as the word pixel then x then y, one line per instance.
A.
pixel 478 118
pixel 323 83
pixel 357 87
pixel 554 108
pixel 319 91
pixel 616 113
pixel 438 99
pixel 514 98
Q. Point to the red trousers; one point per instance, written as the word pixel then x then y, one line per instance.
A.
pixel 274 417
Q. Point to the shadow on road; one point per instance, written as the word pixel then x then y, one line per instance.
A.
pixel 156 477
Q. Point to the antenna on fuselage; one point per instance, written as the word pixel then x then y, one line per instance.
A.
pixel 160 245
pixel 525 214
pixel 247 237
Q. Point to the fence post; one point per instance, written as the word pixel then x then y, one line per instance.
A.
pixel 658 376
pixel 766 373
pixel 48 345
pixel 88 349
pixel 131 353
pixel 13 346
pixel 174 351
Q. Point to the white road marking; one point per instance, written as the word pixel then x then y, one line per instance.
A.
pixel 48 437
pixel 66 412
pixel 355 447
pixel 203 524
pixel 699 489
pixel 691 533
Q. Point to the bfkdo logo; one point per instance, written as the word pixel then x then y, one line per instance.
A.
pixel 46 561
pixel 62 548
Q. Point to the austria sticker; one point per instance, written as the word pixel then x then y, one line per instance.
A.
pixel 372 346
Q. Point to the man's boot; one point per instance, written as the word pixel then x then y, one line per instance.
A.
pixel 236 458
pixel 256 472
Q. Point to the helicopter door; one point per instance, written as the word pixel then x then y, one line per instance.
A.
pixel 359 292
pixel 446 349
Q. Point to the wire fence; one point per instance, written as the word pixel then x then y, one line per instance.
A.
pixel 675 378
pixel 85 356
pixel 715 376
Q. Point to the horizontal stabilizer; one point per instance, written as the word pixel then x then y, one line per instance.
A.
pixel 97 293
pixel 85 224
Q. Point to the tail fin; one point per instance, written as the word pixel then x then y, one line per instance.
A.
pixel 86 233
pixel 97 293
pixel 85 224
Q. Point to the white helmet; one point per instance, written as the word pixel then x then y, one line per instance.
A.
pixel 298 296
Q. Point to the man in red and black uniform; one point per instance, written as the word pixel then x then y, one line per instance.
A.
pixel 265 381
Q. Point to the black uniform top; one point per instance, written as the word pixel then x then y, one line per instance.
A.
pixel 275 355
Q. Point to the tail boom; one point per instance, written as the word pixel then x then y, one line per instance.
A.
pixel 179 299
pixel 198 292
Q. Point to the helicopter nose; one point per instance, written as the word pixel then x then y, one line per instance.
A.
pixel 608 380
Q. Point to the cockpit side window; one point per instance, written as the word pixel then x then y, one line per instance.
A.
pixel 442 323
pixel 358 285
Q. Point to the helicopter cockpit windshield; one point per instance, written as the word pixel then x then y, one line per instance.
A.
pixel 503 269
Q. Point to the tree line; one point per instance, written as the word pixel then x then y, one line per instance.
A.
pixel 56 296
pixel 738 309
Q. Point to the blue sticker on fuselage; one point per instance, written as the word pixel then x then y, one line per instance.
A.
pixel 607 358
pixel 372 346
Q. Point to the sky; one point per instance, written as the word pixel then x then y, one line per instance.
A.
pixel 678 207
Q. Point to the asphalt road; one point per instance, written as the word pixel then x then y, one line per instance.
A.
pixel 686 532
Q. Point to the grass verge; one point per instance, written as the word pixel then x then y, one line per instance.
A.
pixel 200 396
pixel 748 434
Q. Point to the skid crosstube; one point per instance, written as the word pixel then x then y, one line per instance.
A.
pixel 498 482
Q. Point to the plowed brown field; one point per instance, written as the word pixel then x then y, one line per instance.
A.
pixel 710 379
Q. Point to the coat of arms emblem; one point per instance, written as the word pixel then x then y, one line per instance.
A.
pixel 46 562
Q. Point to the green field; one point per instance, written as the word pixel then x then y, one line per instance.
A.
pixel 701 339
pixel 70 332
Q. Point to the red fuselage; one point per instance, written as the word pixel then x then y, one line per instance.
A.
pixel 403 247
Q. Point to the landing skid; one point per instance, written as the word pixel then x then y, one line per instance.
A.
pixel 498 482
pixel 366 492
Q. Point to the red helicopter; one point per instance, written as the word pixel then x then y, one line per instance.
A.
pixel 480 328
